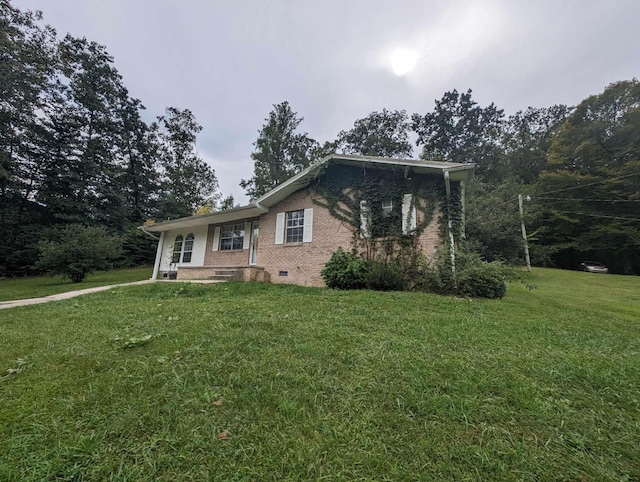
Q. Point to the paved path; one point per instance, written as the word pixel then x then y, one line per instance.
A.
pixel 73 294
pixel 68 294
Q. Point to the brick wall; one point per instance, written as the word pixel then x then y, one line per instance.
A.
pixel 303 262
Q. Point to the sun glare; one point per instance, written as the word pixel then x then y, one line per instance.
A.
pixel 403 61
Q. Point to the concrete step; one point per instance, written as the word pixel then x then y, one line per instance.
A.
pixel 226 275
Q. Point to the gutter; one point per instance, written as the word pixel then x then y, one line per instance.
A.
pixel 141 228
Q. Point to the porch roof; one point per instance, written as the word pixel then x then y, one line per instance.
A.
pixel 235 214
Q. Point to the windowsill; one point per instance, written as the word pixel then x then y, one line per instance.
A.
pixel 292 244
pixel 232 250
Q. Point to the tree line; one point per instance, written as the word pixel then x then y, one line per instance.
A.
pixel 579 168
pixel 74 149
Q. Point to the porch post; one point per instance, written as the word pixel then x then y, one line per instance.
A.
pixel 156 265
pixel 452 245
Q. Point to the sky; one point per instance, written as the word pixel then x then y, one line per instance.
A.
pixel 336 61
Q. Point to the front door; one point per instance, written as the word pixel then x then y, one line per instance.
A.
pixel 253 247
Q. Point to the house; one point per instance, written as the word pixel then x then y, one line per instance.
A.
pixel 288 234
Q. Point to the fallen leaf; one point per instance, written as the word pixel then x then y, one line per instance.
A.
pixel 218 402
pixel 224 435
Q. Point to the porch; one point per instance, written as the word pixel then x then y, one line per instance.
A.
pixel 219 273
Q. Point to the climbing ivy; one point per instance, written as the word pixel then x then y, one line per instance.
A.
pixel 343 188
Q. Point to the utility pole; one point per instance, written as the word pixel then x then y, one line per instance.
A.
pixel 524 234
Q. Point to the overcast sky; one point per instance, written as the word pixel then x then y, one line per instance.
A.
pixel 230 61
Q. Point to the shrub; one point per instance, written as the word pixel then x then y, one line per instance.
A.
pixel 383 276
pixel 482 281
pixel 76 251
pixel 473 277
pixel 344 271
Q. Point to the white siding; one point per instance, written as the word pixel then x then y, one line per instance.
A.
pixel 199 246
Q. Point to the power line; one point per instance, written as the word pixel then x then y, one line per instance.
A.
pixel 590 184
pixel 600 216
pixel 586 200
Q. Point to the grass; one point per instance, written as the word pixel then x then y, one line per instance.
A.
pixel 38 286
pixel 263 382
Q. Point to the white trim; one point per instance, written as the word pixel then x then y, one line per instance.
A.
pixel 280 228
pixel 307 232
pixel 247 235
pixel 408 214
pixel 216 239
pixel 365 220
pixel 156 264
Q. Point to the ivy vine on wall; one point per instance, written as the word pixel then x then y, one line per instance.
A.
pixel 343 188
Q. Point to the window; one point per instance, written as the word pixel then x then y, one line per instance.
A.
pixel 295 226
pixel 177 249
pixel 182 249
pixel 387 207
pixel 387 222
pixel 232 237
pixel 188 248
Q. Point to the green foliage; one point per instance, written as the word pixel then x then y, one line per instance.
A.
pixel 76 251
pixel 473 277
pixel 526 138
pixel 74 148
pixel 589 191
pixel 386 276
pixel 344 271
pixel 344 188
pixel 188 181
pixel 383 134
pixel 279 152
pixel 493 221
pixel 459 130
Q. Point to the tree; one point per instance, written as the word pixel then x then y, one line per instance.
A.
pixel 590 189
pixel 384 134
pixel 459 130
pixel 187 181
pixel 280 152
pixel 85 157
pixel 527 137
pixel 27 79
pixel 77 251
pixel 227 203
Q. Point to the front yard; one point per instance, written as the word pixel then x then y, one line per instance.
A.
pixel 263 382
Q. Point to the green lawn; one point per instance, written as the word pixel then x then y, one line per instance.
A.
pixel 37 286
pixel 139 383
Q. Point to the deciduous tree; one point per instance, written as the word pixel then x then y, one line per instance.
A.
pixel 384 134
pixel 280 151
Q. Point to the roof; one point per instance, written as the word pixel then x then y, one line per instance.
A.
pixel 242 212
pixel 457 172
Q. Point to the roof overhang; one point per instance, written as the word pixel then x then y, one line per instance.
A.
pixel 229 215
pixel 457 172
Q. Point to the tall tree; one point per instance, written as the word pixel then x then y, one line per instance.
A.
pixel 591 188
pixel 383 134
pixel 280 152
pixel 187 181
pixel 27 72
pixel 85 160
pixel 527 137
pixel 459 130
